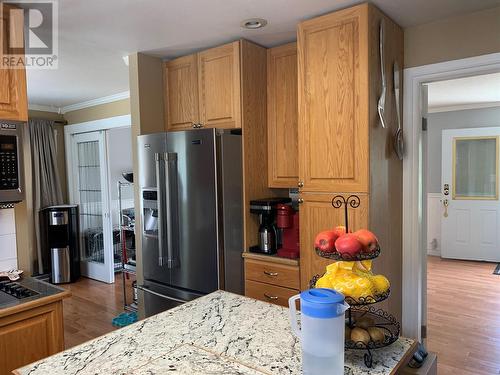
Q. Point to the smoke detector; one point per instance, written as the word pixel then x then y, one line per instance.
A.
pixel 253 23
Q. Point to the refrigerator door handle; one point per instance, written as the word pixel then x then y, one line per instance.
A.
pixel 172 210
pixel 166 177
pixel 161 185
pixel 147 290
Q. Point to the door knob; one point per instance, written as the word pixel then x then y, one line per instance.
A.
pixel 300 200
pixel 446 203
pixel 195 125
pixel 300 184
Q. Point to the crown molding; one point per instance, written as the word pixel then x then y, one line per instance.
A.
pixel 44 108
pixel 94 102
pixel 461 107
pixel 82 105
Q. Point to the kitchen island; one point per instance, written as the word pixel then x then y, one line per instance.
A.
pixel 215 334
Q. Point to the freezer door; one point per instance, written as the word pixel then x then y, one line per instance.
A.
pixel 197 218
pixel 159 297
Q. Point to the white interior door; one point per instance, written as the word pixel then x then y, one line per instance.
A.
pixel 471 210
pixel 90 190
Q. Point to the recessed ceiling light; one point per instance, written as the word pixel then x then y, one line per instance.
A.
pixel 253 23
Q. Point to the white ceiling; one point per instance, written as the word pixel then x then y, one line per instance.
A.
pixel 470 92
pixel 95 34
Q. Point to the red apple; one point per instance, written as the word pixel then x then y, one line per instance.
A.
pixel 348 244
pixel 367 239
pixel 339 230
pixel 325 241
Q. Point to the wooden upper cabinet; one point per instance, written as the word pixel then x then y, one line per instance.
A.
pixel 181 92
pixel 333 101
pixel 13 98
pixel 219 86
pixel 282 130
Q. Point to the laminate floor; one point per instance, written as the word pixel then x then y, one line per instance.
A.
pixel 90 309
pixel 463 321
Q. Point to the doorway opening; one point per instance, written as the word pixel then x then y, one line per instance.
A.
pixel 461 222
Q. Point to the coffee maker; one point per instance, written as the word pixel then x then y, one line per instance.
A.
pixel 287 221
pixel 269 235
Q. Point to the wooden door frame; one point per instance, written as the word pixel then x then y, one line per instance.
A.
pixel 413 231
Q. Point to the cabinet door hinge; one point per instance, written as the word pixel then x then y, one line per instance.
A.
pixel 423 332
pixel 424 124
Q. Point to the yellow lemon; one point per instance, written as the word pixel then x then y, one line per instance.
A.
pixel 324 282
pixel 381 283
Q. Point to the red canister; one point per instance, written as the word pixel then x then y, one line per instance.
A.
pixel 284 216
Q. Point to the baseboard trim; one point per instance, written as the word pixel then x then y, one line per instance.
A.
pixel 434 252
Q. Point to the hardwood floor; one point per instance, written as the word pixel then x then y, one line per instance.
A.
pixel 463 321
pixel 90 309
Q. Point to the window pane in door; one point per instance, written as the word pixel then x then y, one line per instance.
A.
pixel 476 168
pixel 89 189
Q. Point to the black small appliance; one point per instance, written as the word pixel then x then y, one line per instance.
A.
pixel 60 243
pixel 269 237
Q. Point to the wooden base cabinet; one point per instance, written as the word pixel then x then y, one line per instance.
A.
pixel 271 282
pixel 316 215
pixel 30 335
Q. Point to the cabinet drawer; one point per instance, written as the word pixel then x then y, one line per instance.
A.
pixel 272 273
pixel 268 293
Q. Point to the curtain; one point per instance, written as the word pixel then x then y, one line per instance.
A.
pixel 46 182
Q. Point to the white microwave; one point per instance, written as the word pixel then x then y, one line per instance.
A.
pixel 11 163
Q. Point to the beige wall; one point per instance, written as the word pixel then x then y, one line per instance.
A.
pixel 118 108
pixel 453 38
pixel 146 104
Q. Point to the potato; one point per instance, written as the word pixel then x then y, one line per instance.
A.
pixel 376 334
pixel 364 322
pixel 360 335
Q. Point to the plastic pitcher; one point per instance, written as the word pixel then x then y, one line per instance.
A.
pixel 322 330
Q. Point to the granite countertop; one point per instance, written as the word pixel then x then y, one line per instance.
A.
pixel 217 333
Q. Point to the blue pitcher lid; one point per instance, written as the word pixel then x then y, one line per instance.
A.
pixel 321 303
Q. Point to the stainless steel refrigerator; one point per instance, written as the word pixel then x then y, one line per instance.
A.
pixel 191 214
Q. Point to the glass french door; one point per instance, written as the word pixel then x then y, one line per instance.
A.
pixel 90 190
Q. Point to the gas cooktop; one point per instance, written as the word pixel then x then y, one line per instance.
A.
pixel 16 290
pixel 26 289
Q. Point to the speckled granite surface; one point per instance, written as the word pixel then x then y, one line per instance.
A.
pixel 218 333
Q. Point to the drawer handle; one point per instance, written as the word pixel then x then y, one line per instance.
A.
pixel 272 298
pixel 272 274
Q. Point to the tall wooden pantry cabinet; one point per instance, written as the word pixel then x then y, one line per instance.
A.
pixel 343 148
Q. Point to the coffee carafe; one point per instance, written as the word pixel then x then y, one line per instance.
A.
pixel 268 236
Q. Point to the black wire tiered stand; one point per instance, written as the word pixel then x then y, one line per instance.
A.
pixel 361 307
